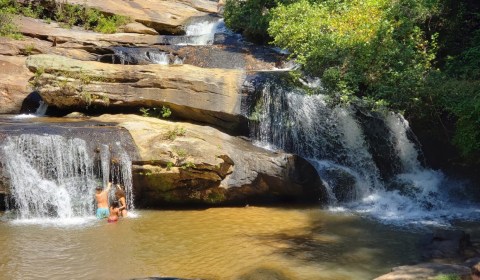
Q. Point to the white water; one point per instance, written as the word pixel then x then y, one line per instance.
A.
pixel 333 140
pixel 202 32
pixel 52 179
pixel 40 112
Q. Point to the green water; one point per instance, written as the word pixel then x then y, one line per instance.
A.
pixel 218 243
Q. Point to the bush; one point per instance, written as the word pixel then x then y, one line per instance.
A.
pixel 359 48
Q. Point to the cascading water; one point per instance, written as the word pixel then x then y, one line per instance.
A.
pixel 202 32
pixel 53 177
pixel 333 139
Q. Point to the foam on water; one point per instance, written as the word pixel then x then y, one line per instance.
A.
pixel 202 32
pixel 52 179
pixel 333 140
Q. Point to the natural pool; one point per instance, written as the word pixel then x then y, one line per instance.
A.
pixel 216 243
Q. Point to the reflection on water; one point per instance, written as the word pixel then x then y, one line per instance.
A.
pixel 222 243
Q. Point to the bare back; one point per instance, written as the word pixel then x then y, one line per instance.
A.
pixel 102 199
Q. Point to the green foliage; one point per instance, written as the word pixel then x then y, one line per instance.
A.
pixel 164 112
pixel 7 26
pixel 215 197
pixel 188 164
pixel 250 17
pixel 373 49
pixel 68 15
pixel 172 134
pixel 181 152
pixel 169 165
pixel 448 277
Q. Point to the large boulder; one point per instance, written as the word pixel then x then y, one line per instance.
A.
pixel 182 163
pixel 204 95
pixel 163 16
pixel 14 86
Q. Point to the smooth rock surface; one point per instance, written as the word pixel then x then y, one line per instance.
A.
pixel 182 163
pixel 14 87
pixel 163 16
pixel 205 95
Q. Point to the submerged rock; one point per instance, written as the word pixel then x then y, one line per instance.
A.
pixel 426 271
pixel 185 164
pixel 445 244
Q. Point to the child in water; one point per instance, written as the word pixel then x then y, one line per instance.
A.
pixel 114 212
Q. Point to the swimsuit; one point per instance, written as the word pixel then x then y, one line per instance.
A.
pixel 112 220
pixel 102 213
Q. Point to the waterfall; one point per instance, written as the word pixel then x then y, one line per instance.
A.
pixel 391 185
pixel 51 176
pixel 201 31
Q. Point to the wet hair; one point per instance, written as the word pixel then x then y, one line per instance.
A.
pixel 99 188
pixel 119 193
pixel 114 204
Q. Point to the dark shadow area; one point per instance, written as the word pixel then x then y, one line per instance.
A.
pixel 346 241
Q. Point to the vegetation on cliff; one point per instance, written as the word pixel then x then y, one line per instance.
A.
pixel 419 57
pixel 68 15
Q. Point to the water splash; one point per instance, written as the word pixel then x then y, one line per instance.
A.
pixel 332 138
pixel 53 177
pixel 202 32
pixel 40 112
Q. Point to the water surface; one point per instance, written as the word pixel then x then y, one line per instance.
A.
pixel 217 243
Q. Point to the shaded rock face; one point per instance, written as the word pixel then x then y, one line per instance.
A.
pixel 344 184
pixel 186 164
pixel 383 154
pixel 204 95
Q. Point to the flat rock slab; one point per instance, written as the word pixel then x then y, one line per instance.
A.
pixel 426 271
pixel 205 95
pixel 163 16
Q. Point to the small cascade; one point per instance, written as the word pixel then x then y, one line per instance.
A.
pixel 42 109
pixel 40 112
pixel 138 55
pixel 160 58
pixel 357 173
pixel 201 32
pixel 53 177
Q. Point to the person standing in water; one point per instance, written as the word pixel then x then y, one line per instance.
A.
pixel 102 201
pixel 114 212
pixel 120 196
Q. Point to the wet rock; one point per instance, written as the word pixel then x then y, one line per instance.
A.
pixel 204 95
pixel 185 164
pixel 426 271
pixel 343 183
pixel 445 244
pixel 14 86
pixel 383 152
